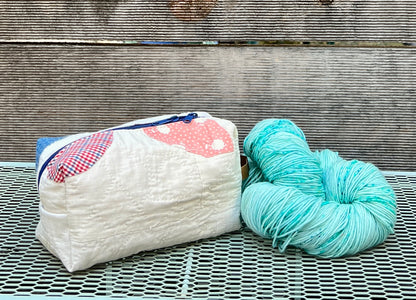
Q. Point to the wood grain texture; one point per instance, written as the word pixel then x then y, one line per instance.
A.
pixel 150 20
pixel 359 102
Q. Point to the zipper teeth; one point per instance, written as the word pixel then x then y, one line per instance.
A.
pixel 145 125
pixel 187 119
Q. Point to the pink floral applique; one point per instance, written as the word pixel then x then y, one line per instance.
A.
pixel 201 136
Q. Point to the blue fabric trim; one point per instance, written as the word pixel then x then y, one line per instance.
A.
pixel 42 144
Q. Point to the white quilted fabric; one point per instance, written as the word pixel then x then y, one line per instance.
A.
pixel 142 194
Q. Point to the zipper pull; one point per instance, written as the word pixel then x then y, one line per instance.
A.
pixel 188 119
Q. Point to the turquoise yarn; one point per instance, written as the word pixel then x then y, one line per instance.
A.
pixel 315 201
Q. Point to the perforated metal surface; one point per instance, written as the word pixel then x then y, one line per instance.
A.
pixel 236 265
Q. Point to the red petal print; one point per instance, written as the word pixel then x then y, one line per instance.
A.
pixel 202 136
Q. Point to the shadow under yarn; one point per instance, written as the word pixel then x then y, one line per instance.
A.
pixel 316 201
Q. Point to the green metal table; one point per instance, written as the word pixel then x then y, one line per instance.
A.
pixel 233 266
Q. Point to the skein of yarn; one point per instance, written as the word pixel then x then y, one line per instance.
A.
pixel 316 201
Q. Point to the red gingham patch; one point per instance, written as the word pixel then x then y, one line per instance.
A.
pixel 79 156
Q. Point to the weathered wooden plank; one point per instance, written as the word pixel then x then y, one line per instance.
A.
pixel 359 102
pixel 216 20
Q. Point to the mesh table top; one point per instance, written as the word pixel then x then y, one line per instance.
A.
pixel 232 266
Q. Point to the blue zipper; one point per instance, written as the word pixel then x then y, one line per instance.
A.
pixel 186 119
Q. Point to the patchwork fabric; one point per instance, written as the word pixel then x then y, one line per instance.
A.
pixel 202 136
pixel 79 156
pixel 138 188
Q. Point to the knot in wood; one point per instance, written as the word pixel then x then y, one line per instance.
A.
pixel 326 2
pixel 191 10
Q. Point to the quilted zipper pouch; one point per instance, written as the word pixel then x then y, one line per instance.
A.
pixel 140 186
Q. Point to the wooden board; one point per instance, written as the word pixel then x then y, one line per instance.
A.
pixel 357 101
pixel 220 20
